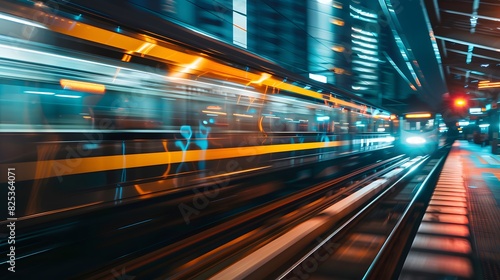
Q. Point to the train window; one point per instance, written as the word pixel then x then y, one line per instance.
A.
pixel 273 122
pixel 341 123
pixel 244 118
pixel 419 125
pixel 323 120
pixel 288 115
pixel 41 104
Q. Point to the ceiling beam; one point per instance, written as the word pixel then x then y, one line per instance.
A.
pixel 497 58
pixel 484 11
pixel 477 72
pixel 463 73
pixel 466 38
pixel 459 60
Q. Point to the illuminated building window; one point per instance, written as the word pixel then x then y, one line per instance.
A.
pixel 365 50
pixel 240 23
pixel 337 21
pixel 338 48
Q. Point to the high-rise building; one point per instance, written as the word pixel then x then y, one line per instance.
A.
pixel 365 52
pixel 277 29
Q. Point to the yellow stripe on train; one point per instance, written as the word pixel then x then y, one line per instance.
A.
pixel 72 166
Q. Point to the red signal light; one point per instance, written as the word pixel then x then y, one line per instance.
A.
pixel 460 102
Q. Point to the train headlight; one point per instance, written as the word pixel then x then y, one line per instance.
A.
pixel 415 140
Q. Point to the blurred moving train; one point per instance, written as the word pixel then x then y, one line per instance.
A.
pixel 90 113
pixel 422 132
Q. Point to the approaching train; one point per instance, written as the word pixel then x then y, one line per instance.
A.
pixel 91 114
pixel 422 132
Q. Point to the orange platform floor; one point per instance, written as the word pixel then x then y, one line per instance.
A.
pixel 459 236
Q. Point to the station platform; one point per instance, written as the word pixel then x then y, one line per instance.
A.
pixel 459 236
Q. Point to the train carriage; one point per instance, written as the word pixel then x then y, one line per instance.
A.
pixel 422 132
pixel 89 118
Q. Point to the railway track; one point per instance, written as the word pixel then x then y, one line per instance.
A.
pixel 339 243
pixel 85 241
pixel 203 254
pixel 213 250
pixel 373 242
pixel 296 223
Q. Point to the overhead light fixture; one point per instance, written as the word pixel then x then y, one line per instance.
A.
pixel 488 84
pixel 418 115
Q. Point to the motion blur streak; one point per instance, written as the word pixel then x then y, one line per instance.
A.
pixel 83 86
pixel 95 164
pixel 93 112
pixel 102 36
